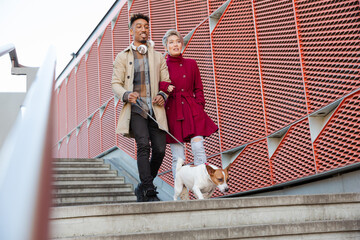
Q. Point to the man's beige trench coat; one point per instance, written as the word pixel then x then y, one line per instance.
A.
pixel 122 81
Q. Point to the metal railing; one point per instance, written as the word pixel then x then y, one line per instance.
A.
pixel 25 161
pixel 10 48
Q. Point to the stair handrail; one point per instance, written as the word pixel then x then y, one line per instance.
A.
pixel 10 48
pixel 25 161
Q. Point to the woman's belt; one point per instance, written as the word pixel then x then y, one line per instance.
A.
pixel 180 97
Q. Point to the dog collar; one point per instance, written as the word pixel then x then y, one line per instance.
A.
pixel 206 163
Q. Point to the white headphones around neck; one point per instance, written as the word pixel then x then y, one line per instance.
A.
pixel 142 49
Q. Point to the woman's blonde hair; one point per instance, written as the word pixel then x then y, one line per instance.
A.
pixel 171 32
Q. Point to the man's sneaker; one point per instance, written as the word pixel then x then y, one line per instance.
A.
pixel 150 194
pixel 139 192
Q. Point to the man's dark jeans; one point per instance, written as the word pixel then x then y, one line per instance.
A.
pixel 146 130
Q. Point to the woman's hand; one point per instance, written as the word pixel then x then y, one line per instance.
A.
pixel 170 88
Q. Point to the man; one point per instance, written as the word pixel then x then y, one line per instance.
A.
pixel 137 72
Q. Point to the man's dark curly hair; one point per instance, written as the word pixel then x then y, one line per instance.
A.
pixel 137 16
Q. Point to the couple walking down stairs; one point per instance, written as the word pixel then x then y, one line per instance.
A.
pixel 90 201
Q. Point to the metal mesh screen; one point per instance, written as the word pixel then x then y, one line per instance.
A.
pixel 240 103
pixel 83 142
pixel 330 37
pixel 62 116
pixel 71 101
pixel 215 4
pixel 81 92
pixel 161 20
pixel 294 157
pixel 106 65
pixel 251 169
pixel 72 145
pixel 189 14
pixel 121 31
pixel 94 136
pixel 280 63
pixel 108 127
pixel 92 71
pixel 338 144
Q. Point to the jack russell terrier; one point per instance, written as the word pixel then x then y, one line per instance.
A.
pixel 201 179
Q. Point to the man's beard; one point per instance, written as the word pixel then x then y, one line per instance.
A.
pixel 143 41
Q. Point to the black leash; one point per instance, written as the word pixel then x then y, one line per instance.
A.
pixel 139 105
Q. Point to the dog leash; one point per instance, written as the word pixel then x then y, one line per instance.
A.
pixel 138 105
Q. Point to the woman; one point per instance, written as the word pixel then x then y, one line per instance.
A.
pixel 185 113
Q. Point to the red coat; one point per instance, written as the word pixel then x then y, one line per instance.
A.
pixel 185 105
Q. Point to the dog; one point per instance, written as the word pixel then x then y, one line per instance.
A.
pixel 201 179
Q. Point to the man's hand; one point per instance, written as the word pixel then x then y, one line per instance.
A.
pixel 132 97
pixel 159 100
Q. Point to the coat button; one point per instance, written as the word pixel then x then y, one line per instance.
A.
pixel 130 63
pixel 182 90
pixel 184 76
pixel 182 102
pixel 128 77
pixel 180 64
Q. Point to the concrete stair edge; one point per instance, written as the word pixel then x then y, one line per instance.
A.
pixel 212 204
pixel 244 232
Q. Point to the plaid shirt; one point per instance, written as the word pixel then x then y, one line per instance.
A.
pixel 141 85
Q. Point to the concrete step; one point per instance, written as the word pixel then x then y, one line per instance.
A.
pixel 84 171
pixel 80 168
pixel 75 190
pixel 94 178
pixel 319 230
pixel 91 182
pixel 84 175
pixel 99 160
pixel 243 213
pixel 80 165
pixel 93 198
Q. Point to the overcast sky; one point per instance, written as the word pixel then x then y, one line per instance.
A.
pixel 34 25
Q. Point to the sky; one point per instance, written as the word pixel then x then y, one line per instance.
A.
pixel 35 25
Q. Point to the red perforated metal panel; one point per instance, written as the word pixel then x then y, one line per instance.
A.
pixel 251 169
pixel 71 101
pixel 280 63
pixel 55 116
pixel 62 119
pixel 81 92
pixel 62 153
pixel 72 145
pixel 168 178
pixel 294 156
pixel 199 48
pixel 106 65
pixel 83 142
pixel 215 4
pixel 189 14
pixel 124 143
pixel 121 31
pixel 94 135
pixel 338 144
pixel 330 43
pixel 161 20
pixel 239 96
pixel 54 152
pixel 92 70
pixel 139 6
pixel 167 161
pixel 108 127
